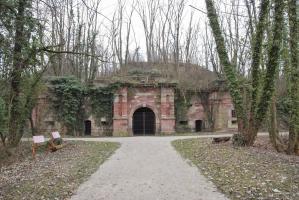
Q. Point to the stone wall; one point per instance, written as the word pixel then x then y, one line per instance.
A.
pixel 167 111
pixel 159 99
pixel 221 107
pixel 43 117
pixel 128 100
pixel 196 112
pixel 45 122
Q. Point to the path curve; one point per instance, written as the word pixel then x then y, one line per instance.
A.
pixel 146 168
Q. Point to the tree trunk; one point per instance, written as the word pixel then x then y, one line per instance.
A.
pixel 229 70
pixel 268 89
pixel 255 70
pixel 273 128
pixel 257 115
pixel 17 68
pixel 33 129
pixel 293 146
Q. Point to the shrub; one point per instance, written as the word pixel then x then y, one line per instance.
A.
pixel 239 140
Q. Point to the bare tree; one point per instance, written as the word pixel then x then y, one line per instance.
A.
pixel 148 15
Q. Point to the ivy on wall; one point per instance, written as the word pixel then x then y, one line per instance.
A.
pixel 182 104
pixel 73 103
pixel 70 100
pixel 67 96
pixel 101 103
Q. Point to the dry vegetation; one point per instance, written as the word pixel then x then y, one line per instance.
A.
pixel 187 76
pixel 52 176
pixel 258 172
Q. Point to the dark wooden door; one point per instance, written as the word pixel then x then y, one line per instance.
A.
pixel 198 125
pixel 144 122
pixel 87 124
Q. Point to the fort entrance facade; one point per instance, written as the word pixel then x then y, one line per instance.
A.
pixel 146 110
pixel 149 103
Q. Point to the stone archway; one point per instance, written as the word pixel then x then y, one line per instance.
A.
pixel 144 121
pixel 135 108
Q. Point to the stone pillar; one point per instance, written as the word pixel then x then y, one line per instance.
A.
pixel 120 113
pixel 167 111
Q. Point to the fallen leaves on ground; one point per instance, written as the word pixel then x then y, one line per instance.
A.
pixel 244 173
pixel 53 175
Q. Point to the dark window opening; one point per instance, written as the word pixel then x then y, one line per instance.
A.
pixel 183 122
pixel 234 122
pixel 234 113
pixel 87 124
pixel 104 123
pixel 50 123
pixel 144 122
pixel 198 125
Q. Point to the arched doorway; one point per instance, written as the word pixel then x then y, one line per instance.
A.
pixel 144 122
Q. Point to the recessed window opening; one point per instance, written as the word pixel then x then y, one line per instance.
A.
pixel 183 122
pixel 233 113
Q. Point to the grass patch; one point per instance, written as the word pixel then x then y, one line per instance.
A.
pixel 244 173
pixel 53 176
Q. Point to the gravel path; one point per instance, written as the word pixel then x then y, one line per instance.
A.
pixel 146 168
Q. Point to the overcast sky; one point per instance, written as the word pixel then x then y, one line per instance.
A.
pixel 108 7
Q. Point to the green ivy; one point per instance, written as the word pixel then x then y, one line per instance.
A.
pixel 101 102
pixel 71 102
pixel 182 105
pixel 3 118
pixel 67 96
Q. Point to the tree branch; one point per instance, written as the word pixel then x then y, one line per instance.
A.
pixel 74 53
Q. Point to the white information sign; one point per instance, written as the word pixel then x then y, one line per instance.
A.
pixel 38 139
pixel 55 135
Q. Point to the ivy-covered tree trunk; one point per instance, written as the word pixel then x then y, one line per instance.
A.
pixel 3 124
pixel 16 76
pixel 229 69
pixel 273 128
pixel 261 97
pixel 268 89
pixel 294 92
pixel 257 42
